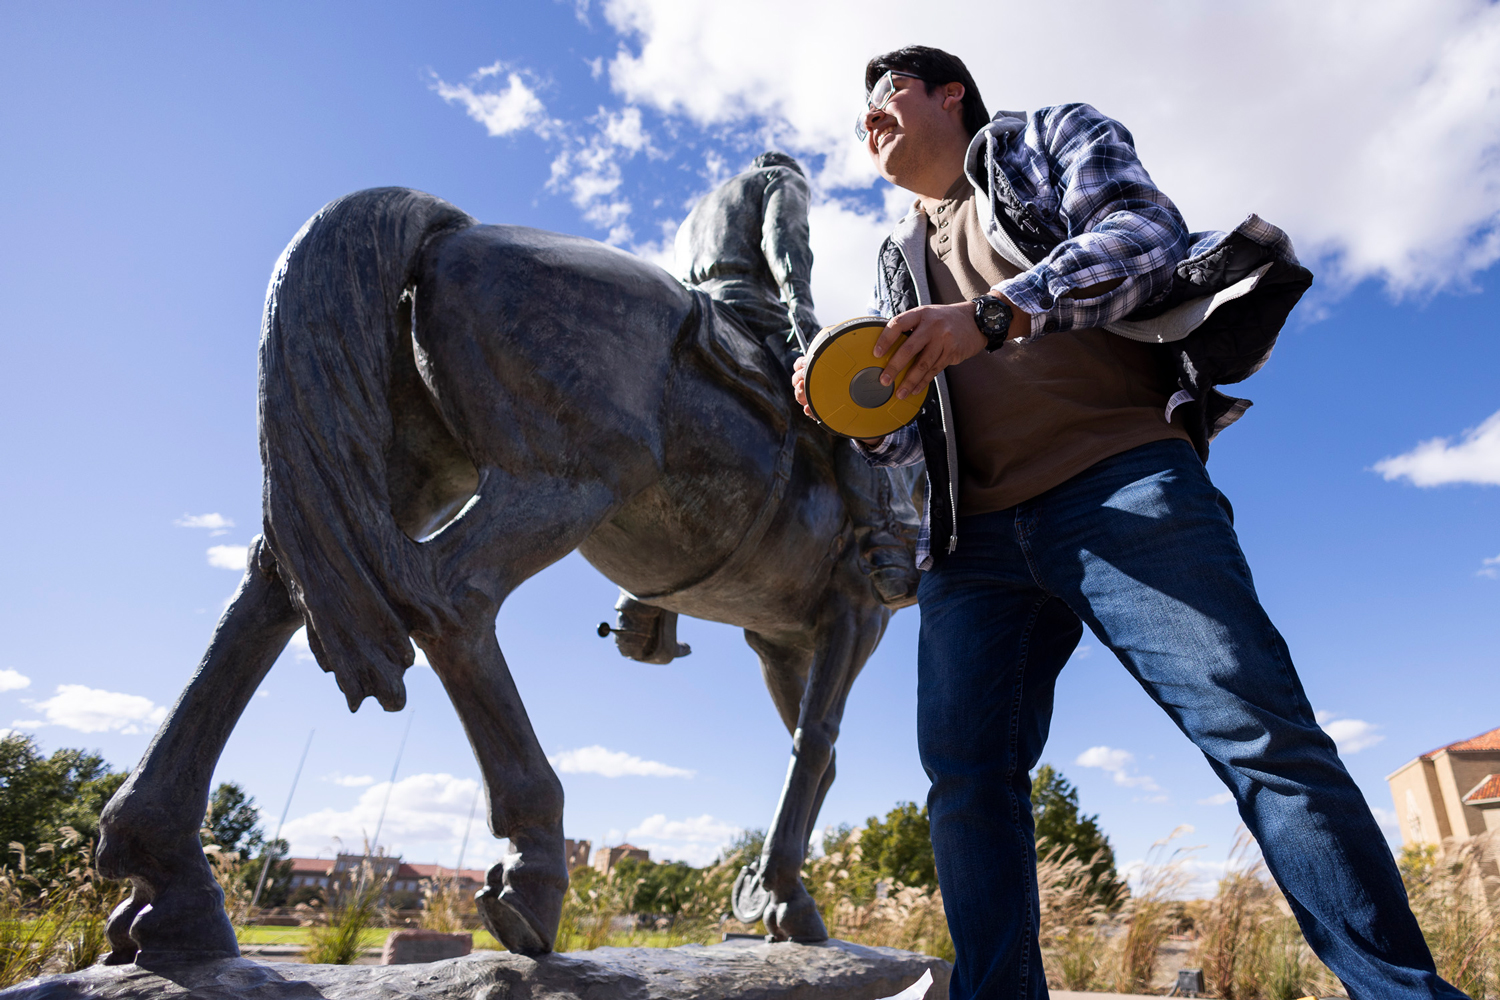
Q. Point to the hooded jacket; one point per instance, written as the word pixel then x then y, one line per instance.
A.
pixel 1062 195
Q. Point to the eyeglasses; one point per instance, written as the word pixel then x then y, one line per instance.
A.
pixel 880 96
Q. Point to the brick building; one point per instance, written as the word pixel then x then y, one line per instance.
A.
pixel 1450 792
pixel 605 858
pixel 325 874
pixel 577 853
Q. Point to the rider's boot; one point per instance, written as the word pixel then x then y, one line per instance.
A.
pixel 885 526
pixel 645 632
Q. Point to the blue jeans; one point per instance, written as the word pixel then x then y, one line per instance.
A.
pixel 1140 547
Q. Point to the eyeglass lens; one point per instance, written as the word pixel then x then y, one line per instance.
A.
pixel 880 96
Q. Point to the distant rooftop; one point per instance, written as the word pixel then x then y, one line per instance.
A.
pixel 1487 790
pixel 406 870
pixel 1484 741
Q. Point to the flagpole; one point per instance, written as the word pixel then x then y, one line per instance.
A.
pixel 269 855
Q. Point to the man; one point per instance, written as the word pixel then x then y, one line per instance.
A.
pixel 1063 492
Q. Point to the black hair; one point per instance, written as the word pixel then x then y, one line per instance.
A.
pixel 935 67
pixel 772 158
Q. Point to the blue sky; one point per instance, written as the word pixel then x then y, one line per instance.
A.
pixel 158 159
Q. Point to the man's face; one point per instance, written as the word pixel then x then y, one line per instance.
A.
pixel 911 124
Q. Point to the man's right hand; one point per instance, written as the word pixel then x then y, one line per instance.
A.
pixel 799 390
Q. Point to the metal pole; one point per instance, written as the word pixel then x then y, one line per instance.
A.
pixel 269 857
pixel 465 845
pixel 375 841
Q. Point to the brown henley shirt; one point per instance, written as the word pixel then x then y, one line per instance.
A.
pixel 1030 416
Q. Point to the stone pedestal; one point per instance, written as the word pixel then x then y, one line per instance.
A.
pixel 833 970
pixel 410 947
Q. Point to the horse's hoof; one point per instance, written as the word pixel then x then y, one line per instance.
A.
pixel 511 921
pixel 122 947
pixel 797 919
pixel 183 925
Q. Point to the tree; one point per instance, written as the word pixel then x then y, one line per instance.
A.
pixel 40 795
pixel 899 847
pixel 86 784
pixel 657 888
pixel 232 820
pixel 747 844
pixel 278 880
pixel 1059 827
pixel 28 790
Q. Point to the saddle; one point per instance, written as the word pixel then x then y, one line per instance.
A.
pixel 725 346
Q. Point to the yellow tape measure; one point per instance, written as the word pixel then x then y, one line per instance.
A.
pixel 843 381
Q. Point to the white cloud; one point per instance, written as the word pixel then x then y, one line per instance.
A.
pixel 425 822
pixel 844 242
pixel 624 130
pixel 300 647
pixel 349 780
pixel 1120 765
pixel 1221 799
pixel 696 840
pixel 13 680
pixel 613 764
pixel 512 108
pixel 1491 568
pixel 1349 735
pixel 228 557
pixel 302 650
pixel 217 522
pixel 589 168
pixel 1439 461
pixel 93 710
pixel 1390 825
pixel 1369 135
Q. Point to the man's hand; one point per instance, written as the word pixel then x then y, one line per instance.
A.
pixel 799 389
pixel 939 336
pixel 799 383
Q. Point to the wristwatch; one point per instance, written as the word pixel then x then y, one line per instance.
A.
pixel 992 315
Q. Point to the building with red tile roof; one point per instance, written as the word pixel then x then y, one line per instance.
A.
pixel 1452 792
pixel 324 873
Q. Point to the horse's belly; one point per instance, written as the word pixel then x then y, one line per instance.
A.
pixel 730 542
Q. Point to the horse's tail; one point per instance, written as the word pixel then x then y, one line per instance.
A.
pixel 331 326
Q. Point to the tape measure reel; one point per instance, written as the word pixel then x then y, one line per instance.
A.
pixel 843 381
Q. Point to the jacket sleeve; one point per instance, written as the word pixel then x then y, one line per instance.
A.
pixel 901 447
pixel 786 244
pixel 1078 170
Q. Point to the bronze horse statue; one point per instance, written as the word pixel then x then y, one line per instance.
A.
pixel 446 408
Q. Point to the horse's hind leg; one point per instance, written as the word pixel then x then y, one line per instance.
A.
pixel 522 900
pixel 513 530
pixel 148 832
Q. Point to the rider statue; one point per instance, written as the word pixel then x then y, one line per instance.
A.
pixel 746 245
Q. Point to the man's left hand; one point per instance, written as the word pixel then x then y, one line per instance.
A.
pixel 939 336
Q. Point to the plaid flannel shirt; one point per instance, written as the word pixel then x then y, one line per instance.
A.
pixel 1066 175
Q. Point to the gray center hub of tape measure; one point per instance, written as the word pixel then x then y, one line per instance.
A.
pixel 865 388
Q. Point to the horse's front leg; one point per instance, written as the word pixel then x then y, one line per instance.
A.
pixel 148 832
pixel 848 630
